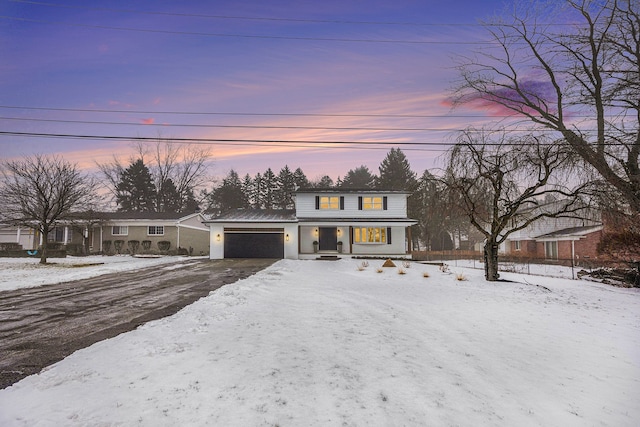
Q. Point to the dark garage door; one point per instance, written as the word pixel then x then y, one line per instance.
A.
pixel 253 245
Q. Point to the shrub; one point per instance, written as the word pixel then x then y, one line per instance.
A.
pixel 164 245
pixel 106 246
pixel 133 246
pixel 117 244
pixel 146 245
pixel 425 274
pixel 460 277
pixel 402 270
pixel 75 249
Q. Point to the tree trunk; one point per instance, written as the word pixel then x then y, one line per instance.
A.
pixel 491 261
pixel 43 253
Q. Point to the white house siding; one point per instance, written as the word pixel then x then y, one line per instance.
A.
pixel 306 206
pixel 20 235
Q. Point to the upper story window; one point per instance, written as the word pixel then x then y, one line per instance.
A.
pixel 330 202
pixel 155 230
pixel 372 203
pixel 376 203
pixel 119 230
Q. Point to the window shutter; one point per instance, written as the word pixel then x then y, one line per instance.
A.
pixel 388 235
pixel 317 202
pixel 384 203
pixel 359 203
pixel 341 203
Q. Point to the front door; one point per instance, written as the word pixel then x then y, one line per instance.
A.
pixel 328 238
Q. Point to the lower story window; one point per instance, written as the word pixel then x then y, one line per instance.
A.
pixel 156 230
pixel 551 250
pixel 370 235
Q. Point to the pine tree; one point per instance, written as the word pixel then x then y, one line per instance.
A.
pixel 168 199
pixel 269 189
pixel 324 182
pixel 247 190
pixel 396 173
pixel 229 194
pixel 359 178
pixel 135 192
pixel 300 179
pixel 286 187
pixel 255 197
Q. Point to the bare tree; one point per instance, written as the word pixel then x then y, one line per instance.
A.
pixel 177 171
pixel 501 185
pixel 39 192
pixel 572 67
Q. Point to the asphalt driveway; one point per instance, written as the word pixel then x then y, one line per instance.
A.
pixel 41 326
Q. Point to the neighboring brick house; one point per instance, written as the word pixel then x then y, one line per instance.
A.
pixel 325 222
pixel 558 238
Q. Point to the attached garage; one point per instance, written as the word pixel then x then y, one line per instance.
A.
pixel 248 233
pixel 264 243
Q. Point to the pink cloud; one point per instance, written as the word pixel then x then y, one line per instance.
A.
pixel 506 101
pixel 148 121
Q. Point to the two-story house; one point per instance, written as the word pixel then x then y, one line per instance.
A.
pixel 324 222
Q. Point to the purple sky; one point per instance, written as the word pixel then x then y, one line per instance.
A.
pixel 299 71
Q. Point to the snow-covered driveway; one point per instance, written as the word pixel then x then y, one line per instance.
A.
pixel 321 343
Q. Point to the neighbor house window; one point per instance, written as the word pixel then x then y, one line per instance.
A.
pixel 551 250
pixel 156 230
pixel 370 235
pixel 119 230
pixel 516 245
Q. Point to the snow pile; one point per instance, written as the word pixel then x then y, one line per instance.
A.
pixel 321 343
pixel 18 273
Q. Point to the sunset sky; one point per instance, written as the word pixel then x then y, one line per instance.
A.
pixel 263 82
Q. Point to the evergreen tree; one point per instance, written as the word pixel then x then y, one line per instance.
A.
pixel 255 198
pixel 247 190
pixel 168 199
pixel 269 189
pixel 396 173
pixel 324 182
pixel 135 192
pixel 359 178
pixel 300 179
pixel 229 194
pixel 286 187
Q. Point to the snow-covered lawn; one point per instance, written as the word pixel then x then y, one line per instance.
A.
pixel 27 272
pixel 310 343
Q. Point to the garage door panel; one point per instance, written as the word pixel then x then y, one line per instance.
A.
pixel 254 245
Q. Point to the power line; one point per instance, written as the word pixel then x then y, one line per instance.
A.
pixel 351 145
pixel 219 126
pixel 246 18
pixel 247 36
pixel 249 114
pixel 228 126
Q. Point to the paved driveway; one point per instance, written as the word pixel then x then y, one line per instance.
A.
pixel 41 326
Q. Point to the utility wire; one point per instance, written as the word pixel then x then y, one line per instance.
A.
pixel 246 18
pixel 237 113
pixel 219 126
pixel 247 36
pixel 229 126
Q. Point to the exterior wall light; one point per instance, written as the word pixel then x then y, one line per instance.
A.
pixel 218 237
pixel 286 237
